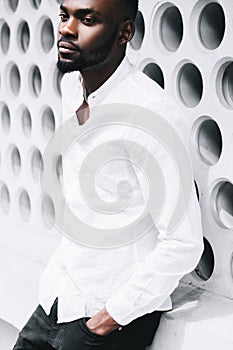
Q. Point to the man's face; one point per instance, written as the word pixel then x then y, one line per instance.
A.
pixel 87 33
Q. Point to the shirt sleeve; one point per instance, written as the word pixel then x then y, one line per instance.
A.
pixel 176 253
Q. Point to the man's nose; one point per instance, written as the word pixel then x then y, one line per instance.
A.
pixel 68 28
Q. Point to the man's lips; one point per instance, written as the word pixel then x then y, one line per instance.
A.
pixel 65 47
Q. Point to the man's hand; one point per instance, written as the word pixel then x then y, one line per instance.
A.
pixel 102 323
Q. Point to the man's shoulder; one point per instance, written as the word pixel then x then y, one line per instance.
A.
pixel 138 88
pixel 145 85
pixel 71 91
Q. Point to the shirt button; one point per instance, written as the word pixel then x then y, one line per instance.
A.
pixel 120 328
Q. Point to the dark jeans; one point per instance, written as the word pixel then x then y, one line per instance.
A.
pixel 42 332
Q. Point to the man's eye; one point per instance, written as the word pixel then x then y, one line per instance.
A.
pixel 63 16
pixel 88 20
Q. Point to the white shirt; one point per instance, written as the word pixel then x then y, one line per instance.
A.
pixel 137 278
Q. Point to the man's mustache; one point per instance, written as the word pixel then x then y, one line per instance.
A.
pixel 64 40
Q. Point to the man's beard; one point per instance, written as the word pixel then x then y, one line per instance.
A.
pixel 91 59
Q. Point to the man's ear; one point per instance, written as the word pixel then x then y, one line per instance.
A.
pixel 126 33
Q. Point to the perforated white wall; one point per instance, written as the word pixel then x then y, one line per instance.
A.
pixel 186 46
pixel 30 110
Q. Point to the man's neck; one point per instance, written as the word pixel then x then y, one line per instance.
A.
pixel 93 78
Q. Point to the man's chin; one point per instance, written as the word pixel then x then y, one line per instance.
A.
pixel 66 66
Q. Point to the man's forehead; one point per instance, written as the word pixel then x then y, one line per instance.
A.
pixel 98 5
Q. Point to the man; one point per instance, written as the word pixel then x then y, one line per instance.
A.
pixel 110 298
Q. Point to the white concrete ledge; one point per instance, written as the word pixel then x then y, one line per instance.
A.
pixel 199 320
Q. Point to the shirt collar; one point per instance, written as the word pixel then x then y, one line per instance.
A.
pixel 118 75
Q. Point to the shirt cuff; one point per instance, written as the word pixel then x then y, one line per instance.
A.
pixel 120 309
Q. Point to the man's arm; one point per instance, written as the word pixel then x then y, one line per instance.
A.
pixel 176 253
pixel 153 281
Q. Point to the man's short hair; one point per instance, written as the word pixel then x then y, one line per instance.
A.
pixel 128 8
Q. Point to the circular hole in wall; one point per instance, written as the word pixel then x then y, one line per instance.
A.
pixel 205 266
pixel 59 169
pixel 14 79
pixel 225 84
pixel 5 37
pixel 57 81
pixel 47 35
pixel 24 205
pixel 35 80
pixel 15 160
pixel 26 121
pixel 5 118
pixel 153 71
pixel 48 122
pixel 222 204
pixel 190 85
pixel 23 36
pixel 211 25
pixel 209 141
pixel 48 211
pixel 4 198
pixel 137 40
pixel 37 164
pixel 35 3
pixel 171 28
pixel 13 4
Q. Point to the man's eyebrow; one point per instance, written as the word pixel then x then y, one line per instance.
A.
pixel 82 12
pixel 63 8
pixel 87 11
